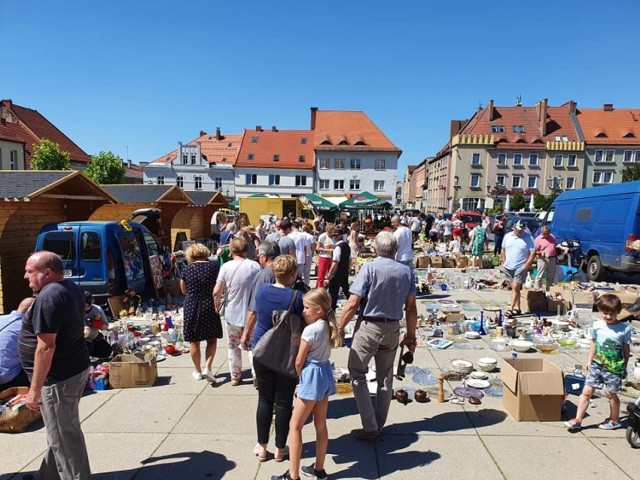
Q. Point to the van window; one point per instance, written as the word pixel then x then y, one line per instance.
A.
pixel 583 214
pixel 90 246
pixel 152 245
pixel 60 243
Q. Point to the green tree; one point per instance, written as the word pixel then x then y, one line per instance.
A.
pixel 48 155
pixel 106 168
pixel 631 173
pixel 517 202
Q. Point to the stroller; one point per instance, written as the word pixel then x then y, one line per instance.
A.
pixel 633 430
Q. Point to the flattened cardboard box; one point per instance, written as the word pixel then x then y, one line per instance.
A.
pixel 533 389
pixel 132 371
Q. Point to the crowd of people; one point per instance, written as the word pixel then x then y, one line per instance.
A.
pixel 235 294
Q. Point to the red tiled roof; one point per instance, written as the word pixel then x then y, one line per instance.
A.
pixel 354 128
pixel 289 145
pixel 614 127
pixel 560 124
pixel 223 151
pixel 12 132
pixel 36 128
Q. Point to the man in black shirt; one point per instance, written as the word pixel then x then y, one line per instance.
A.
pixel 54 355
pixel 338 276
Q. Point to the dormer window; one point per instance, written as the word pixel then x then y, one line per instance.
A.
pixel 303 141
pixel 276 157
pixel 254 139
pixel 250 156
pixel 185 159
pixel 497 128
pixel 518 129
pixel 301 159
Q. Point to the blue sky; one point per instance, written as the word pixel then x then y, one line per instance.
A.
pixel 147 74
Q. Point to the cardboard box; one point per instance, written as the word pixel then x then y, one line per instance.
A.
pixel 436 262
pixel 19 419
pixel 533 389
pixel 448 262
pixel 626 297
pixel 132 371
pixel 424 261
pixel 582 299
pixel 552 306
pixel 534 300
pixel 462 261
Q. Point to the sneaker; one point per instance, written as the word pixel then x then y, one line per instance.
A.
pixel 573 424
pixel 284 476
pixel 310 471
pixel 362 434
pixel 208 376
pixel 196 375
pixel 609 424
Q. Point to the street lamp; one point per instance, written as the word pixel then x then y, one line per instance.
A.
pixel 554 184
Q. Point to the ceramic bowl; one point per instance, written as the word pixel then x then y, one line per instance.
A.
pixel 521 345
pixel 562 325
pixel 487 364
pixel 545 347
pixel 472 335
pixel 464 367
pixel 567 342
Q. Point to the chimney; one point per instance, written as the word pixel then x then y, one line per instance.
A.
pixel 455 127
pixel 202 132
pixel 541 109
pixel 608 107
pixel 218 136
pixel 572 107
pixel 273 128
pixel 490 110
pixel 314 110
pixel 129 163
pixel 258 128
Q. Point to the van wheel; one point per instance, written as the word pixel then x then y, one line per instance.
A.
pixel 595 270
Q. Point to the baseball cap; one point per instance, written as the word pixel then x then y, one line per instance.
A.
pixel 519 225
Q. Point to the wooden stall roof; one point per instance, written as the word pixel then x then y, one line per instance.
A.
pixel 25 185
pixel 151 194
pixel 200 198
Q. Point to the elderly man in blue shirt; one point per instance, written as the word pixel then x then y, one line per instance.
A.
pixel 389 288
pixel 11 372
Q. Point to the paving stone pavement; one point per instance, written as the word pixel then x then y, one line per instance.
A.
pixel 186 429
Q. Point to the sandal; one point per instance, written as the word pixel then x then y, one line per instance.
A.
pixel 257 450
pixel 281 454
pixel 508 313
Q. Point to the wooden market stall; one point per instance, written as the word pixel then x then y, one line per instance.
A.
pixel 29 200
pixel 173 203
pixel 205 204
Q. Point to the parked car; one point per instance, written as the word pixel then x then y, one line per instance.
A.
pixel 606 223
pixel 531 223
pixel 470 219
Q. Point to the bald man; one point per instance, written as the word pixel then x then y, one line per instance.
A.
pixel 53 352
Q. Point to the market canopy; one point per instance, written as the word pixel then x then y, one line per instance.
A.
pixel 364 201
pixel 319 203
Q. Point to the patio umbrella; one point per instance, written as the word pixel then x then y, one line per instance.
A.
pixel 507 203
pixel 531 206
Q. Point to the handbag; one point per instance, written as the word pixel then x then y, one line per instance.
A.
pixel 278 348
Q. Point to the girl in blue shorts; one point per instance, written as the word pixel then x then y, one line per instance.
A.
pixel 316 382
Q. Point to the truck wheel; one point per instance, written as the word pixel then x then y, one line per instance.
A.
pixel 595 270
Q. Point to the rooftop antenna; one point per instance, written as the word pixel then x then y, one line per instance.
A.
pixel 519 101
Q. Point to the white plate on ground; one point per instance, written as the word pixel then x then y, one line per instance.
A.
pixel 476 383
pixel 479 375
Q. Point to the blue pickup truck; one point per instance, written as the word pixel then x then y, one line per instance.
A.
pixel 104 258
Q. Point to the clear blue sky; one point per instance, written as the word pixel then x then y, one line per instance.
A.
pixel 147 74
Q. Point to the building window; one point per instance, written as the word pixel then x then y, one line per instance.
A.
pixel 572 160
pixel 475 181
pixel 518 129
pixel 497 128
pixel 517 159
pixel 217 183
pixel 381 164
pixel 571 183
pixel 516 181
pixel 501 180
pixel 185 159
pixel 599 156
pixel 193 159
pixel 276 157
pixel 558 160
pixel 475 159
pixel 378 185
pixel 627 156
pixel 324 163
pixel 609 155
pixel 303 140
pixel 532 182
pixel 354 184
pixel 562 138
pixel 637 159
pixel 533 159
pixel 274 179
pixel 301 158
pixel 502 159
pixel 355 164
pixel 13 160
pixel 339 163
pixel 250 156
pixel 160 180
pixel 301 180
pixel 338 184
pixel 180 182
pixel 323 184
pixel 197 182
pixel 251 179
pixel 602 177
pixel 254 139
